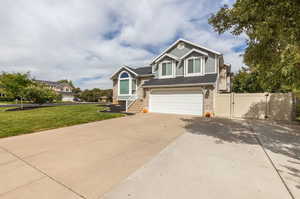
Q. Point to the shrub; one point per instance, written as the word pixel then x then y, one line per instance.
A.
pixel 41 95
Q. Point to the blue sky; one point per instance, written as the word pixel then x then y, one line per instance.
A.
pixel 86 41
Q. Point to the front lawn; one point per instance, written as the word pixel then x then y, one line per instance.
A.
pixel 28 121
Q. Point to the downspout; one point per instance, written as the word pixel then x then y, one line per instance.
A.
pixel 217 82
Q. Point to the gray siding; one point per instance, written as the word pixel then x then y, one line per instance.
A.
pixel 210 62
pixel 180 52
pixel 210 65
pixel 179 68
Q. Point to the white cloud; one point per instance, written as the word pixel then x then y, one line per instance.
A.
pixel 87 40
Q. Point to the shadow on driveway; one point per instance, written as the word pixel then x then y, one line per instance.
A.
pixel 280 139
pixel 224 130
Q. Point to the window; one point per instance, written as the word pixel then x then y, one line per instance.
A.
pixel 194 66
pixel 127 85
pixel 124 83
pixel 124 75
pixel 124 86
pixel 166 69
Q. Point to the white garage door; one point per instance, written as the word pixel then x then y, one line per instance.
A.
pixel 176 101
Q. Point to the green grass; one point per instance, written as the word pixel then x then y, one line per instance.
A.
pixel 21 122
pixel 5 103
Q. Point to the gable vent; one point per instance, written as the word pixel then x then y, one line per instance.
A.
pixel 180 45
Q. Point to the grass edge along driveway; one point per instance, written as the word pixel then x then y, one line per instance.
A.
pixel 22 122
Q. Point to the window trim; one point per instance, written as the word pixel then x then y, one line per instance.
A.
pixel 202 62
pixel 160 69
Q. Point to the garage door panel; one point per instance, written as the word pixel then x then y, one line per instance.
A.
pixel 177 102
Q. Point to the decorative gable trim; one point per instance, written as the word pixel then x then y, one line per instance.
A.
pixel 123 67
pixel 194 50
pixel 188 42
pixel 167 55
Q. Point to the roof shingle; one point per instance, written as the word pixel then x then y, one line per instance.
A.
pixel 142 70
pixel 208 78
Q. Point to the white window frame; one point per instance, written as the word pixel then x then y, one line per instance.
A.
pixel 130 83
pixel 160 70
pixel 136 86
pixel 216 60
pixel 202 66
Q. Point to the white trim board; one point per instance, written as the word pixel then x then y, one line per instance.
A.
pixel 123 67
pixel 167 55
pixel 194 50
pixel 178 85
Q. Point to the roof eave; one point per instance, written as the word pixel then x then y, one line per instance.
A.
pixel 178 85
pixel 126 67
pixel 147 75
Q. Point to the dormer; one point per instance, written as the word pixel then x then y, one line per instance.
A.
pixel 184 58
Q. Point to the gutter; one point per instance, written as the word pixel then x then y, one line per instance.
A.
pixel 148 75
pixel 178 85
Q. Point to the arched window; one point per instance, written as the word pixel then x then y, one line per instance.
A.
pixel 124 75
pixel 127 85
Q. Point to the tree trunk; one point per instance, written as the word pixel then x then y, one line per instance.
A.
pixel 22 103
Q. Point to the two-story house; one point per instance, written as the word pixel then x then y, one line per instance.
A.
pixel 183 79
pixel 64 89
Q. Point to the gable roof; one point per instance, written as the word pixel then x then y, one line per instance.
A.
pixel 167 55
pixel 194 50
pixel 147 70
pixel 141 71
pixel 188 42
pixel 123 67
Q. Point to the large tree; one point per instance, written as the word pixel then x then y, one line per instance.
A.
pixel 273 45
pixel 245 81
pixel 15 84
pixel 94 94
pixel 39 94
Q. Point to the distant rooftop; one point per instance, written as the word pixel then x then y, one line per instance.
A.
pixel 51 83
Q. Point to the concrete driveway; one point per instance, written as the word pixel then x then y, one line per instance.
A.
pixel 221 158
pixel 143 156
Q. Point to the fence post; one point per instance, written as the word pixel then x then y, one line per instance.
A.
pixel 231 105
pixel 267 106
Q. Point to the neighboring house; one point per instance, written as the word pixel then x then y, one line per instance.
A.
pixel 183 79
pixel 61 88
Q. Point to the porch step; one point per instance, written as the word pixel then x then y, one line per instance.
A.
pixel 136 107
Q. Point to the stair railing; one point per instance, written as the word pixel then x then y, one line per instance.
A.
pixel 130 100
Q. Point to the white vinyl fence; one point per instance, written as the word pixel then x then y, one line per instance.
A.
pixel 276 106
